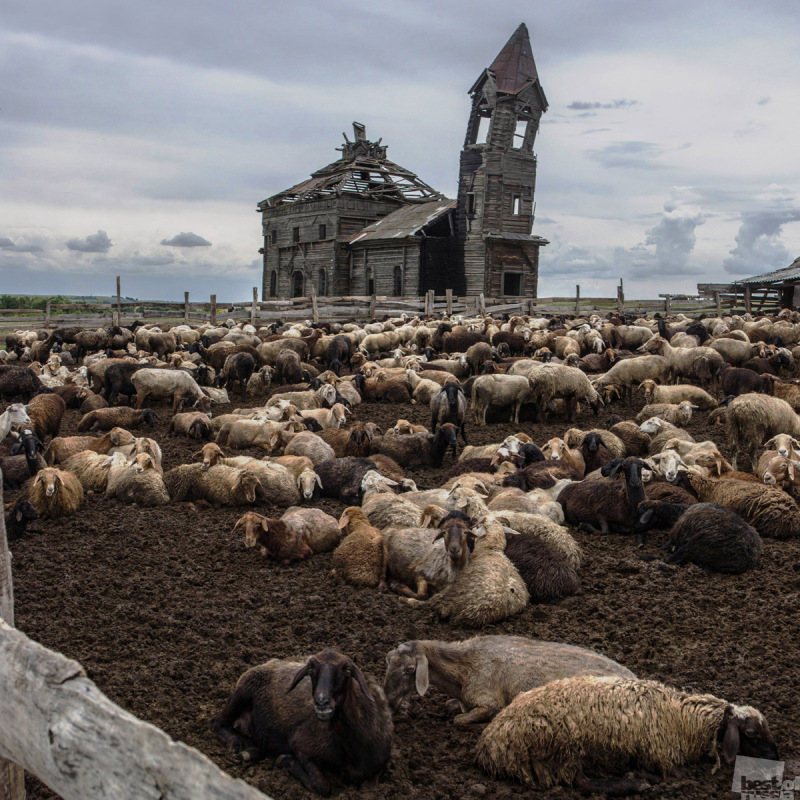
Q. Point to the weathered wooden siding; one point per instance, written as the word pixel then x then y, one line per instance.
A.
pixel 382 258
pixel 440 268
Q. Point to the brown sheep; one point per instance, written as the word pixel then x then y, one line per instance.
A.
pixel 352 442
pixel 61 448
pixel 46 412
pixel 277 540
pixel 358 560
pixel 104 419
pixel 54 493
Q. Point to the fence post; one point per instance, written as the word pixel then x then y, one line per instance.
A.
pixel 482 303
pixel 12 777
pixel 667 304
pixel 372 307
pixel 314 309
pixel 186 308
pixel 620 299
pixel 577 301
pixel 718 303
pixel 47 313
pixel 531 308
pixel 253 306
pixel 449 299
pixel 213 309
pixel 747 303
pixel 119 304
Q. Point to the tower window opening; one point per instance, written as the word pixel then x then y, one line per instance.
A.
pixel 516 205
pixel 483 130
pixel 470 204
pixel 520 131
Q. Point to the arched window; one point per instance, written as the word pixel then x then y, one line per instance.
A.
pixel 322 288
pixel 370 281
pixel 273 283
pixel 297 284
pixel 398 281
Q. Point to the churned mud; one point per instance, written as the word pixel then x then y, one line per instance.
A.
pixel 165 609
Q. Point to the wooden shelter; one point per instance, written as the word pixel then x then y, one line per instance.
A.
pixel 779 288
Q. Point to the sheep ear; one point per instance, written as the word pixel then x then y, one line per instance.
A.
pixel 422 680
pixel 343 522
pixel 19 515
pixel 114 438
pixel 358 676
pixel 299 481
pixel 439 535
pixel 302 672
pixel 319 482
pixel 265 524
pixel 610 469
pixel 730 742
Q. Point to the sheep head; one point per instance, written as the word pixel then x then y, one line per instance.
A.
pixel 746 731
pixel 49 480
pixel 406 673
pixel 248 484
pixel 211 455
pixel 307 481
pixel 252 523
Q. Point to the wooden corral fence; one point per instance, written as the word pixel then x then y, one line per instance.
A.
pixel 56 724
pixel 713 300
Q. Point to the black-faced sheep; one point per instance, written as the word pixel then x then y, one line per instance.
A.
pixel 117 381
pixel 19 515
pixel 549 735
pixel 485 673
pixel 340 721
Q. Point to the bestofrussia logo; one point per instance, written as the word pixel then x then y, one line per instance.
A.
pixel 759 779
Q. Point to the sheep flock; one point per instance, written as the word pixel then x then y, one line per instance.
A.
pixel 385 559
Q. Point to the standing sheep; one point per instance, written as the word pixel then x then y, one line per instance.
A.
pixel 754 418
pixel 449 404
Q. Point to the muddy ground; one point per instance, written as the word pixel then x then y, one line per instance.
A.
pixel 165 609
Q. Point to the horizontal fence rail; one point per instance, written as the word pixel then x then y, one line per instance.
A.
pixel 712 301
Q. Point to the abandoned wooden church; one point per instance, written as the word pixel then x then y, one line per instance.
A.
pixel 364 225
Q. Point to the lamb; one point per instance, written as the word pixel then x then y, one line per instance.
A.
pixel 594 452
pixel 769 510
pixel 547 573
pixel 311 446
pixel 276 539
pixel 16 520
pixel 414 557
pixel 164 383
pixel 419 449
pixel 358 559
pixel 500 391
pixel 347 727
pixel 488 589
pixel 735 381
pixel 193 424
pixel 612 504
pixel 449 404
pixel 237 367
pixel 54 493
pixel 104 419
pixel 136 481
pixel 485 673
pixel 653 393
pixel 327 418
pixel 219 485
pixel 61 448
pixel 714 538
pixel 754 418
pixel 546 736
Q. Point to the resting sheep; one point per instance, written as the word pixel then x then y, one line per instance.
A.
pixel 219 485
pixel 549 735
pixel 358 559
pixel 103 419
pixel 485 673
pixel 340 721
pixel 276 539
pixel 54 493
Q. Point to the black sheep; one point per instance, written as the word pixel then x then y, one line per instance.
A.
pixel 17 519
pixel 117 381
pixel 545 570
pixel 341 478
pixel 594 451
pixel 17 382
pixel 714 538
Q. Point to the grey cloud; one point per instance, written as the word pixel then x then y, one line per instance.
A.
pixel 96 243
pixel 186 239
pixel 674 236
pixel 763 101
pixel 581 105
pixel 758 246
pixel 7 244
pixel 594 130
pixel 627 155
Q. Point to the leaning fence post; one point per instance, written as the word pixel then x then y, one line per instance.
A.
pixel 253 306
pixel 314 308
pixel 119 304
pixel 213 309
pixel 186 308
pixel 482 303
pixel 718 304
pixel 747 299
pixel 577 301
pixel 372 300
pixel 12 776
pixel 620 299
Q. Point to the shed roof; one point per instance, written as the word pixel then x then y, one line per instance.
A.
pixel 790 273
pixel 517 237
pixel 405 222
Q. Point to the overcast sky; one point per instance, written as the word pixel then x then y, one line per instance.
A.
pixel 137 138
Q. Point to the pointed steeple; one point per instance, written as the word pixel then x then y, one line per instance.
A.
pixel 514 67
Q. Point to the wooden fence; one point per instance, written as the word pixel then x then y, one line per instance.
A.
pixel 710 302
pixel 56 724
